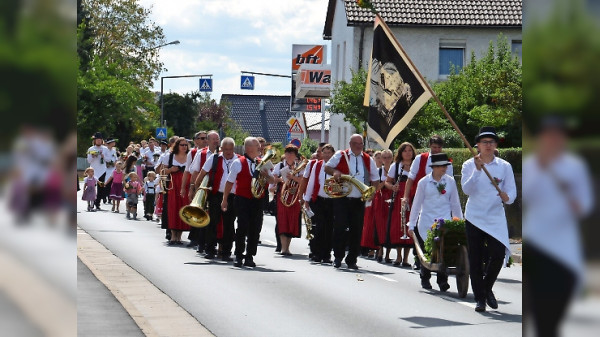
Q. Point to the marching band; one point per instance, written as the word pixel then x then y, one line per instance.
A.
pixel 347 201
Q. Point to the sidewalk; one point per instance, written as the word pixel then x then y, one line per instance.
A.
pixel 98 311
pixel 516 251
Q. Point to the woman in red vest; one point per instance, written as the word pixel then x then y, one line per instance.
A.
pixel 396 181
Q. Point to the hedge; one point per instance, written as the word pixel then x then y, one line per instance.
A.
pixel 459 156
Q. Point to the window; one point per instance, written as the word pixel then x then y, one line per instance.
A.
pixel 516 48
pixel 451 56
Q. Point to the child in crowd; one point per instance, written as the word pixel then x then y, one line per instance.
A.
pixel 150 185
pixel 436 197
pixel 133 188
pixel 116 190
pixel 89 188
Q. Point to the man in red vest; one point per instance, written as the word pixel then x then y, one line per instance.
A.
pixel 421 167
pixel 248 208
pixel 348 212
pixel 217 167
pixel 321 204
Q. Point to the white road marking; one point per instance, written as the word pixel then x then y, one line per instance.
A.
pixel 385 278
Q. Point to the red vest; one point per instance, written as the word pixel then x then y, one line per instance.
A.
pixel 218 175
pixel 343 164
pixel 317 184
pixel 422 165
pixel 244 180
pixel 194 150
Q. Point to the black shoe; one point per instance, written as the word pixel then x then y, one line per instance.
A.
pixel 226 258
pixel 238 262
pixel 326 261
pixel 416 266
pixel 249 263
pixel 490 299
pixel 388 260
pixel 425 284
pixel 379 259
pixel 209 256
pixel 192 244
pixel 278 250
pixel 337 263
pixel 168 236
pixel 444 287
pixel 352 266
pixel 480 306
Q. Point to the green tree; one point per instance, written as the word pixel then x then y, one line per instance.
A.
pixel 347 100
pixel 180 113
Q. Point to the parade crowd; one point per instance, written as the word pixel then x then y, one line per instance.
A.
pixel 411 191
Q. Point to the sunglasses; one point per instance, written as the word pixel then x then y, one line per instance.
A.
pixel 183 145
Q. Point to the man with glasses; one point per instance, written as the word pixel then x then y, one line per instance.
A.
pixel 421 167
pixel 349 211
pixel 485 220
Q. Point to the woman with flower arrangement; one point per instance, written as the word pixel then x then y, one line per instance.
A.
pixel 485 225
pixel 436 197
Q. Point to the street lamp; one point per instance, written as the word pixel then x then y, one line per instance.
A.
pixel 166 44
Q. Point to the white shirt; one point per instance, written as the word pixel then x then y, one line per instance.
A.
pixel 549 223
pixel 485 209
pixel 311 183
pixel 357 169
pixel 416 165
pixel 306 170
pixel 226 168
pixel 98 163
pixel 236 168
pixel 160 159
pixel 194 165
pixel 165 160
pixel 151 186
pixel 392 172
pixel 429 204
pixel 112 157
pixel 149 155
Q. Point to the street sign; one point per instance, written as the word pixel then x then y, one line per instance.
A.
pixel 296 142
pixel 206 84
pixel 288 137
pixel 247 82
pixel 161 133
pixel 296 128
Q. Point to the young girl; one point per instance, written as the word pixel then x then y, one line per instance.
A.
pixel 89 188
pixel 149 193
pixel 133 188
pixel 116 190
pixel 436 197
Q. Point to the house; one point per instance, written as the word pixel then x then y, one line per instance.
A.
pixel 434 34
pixel 261 115
pixel 312 120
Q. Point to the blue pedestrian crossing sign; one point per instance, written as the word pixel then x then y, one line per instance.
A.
pixel 161 133
pixel 247 82
pixel 206 85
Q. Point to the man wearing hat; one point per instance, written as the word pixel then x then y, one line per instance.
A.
pixel 486 226
pixel 110 159
pixel 436 198
pixel 97 155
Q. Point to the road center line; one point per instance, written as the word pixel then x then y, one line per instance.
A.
pixel 385 278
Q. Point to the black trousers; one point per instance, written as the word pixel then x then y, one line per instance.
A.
pixel 149 204
pixel 485 262
pixel 164 218
pixel 348 214
pixel 425 274
pixel 101 191
pixel 546 301
pixel 249 219
pixel 215 212
pixel 323 209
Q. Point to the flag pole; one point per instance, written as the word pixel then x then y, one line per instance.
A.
pixel 437 100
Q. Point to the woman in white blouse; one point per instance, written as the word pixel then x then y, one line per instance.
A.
pixel 486 226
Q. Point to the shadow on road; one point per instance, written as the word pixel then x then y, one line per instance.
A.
pixel 225 264
pixel 505 280
pixel 500 316
pixel 431 322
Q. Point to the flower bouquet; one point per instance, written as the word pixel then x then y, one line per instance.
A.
pixel 452 233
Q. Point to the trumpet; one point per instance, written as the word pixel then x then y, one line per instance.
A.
pixel 164 180
pixel 289 191
pixel 307 214
pixel 403 209
pixel 259 183
pixel 335 189
pixel 195 214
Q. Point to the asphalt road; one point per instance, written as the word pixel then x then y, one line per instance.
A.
pixel 292 297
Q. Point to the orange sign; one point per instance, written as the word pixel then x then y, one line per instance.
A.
pixel 315 77
pixel 307 54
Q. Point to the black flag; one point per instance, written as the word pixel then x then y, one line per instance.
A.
pixel 394 90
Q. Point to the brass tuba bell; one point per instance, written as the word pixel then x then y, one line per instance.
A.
pixel 194 213
pixel 289 191
pixel 259 183
pixel 335 189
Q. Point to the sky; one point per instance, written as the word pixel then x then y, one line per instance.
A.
pixel 224 37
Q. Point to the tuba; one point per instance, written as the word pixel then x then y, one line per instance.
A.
pixel 259 183
pixel 342 188
pixel 289 191
pixel 194 213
